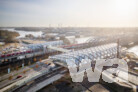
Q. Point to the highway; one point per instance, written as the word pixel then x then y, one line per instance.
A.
pixel 35 71
pixel 43 81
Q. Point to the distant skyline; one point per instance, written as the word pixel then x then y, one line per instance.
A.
pixel 75 13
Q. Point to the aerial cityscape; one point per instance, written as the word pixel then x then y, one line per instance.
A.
pixel 68 46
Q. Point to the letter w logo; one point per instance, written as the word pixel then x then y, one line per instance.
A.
pixel 77 73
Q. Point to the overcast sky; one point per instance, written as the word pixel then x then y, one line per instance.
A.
pixel 92 13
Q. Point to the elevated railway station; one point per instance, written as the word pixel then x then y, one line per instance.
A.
pixel 32 50
pixel 93 53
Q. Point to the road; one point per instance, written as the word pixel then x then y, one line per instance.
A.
pixel 34 71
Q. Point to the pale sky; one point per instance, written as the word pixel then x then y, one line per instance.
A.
pixel 92 13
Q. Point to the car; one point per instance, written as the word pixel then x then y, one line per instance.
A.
pixel 49 64
pixel 19 76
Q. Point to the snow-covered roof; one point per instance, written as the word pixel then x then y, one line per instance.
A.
pixel 82 40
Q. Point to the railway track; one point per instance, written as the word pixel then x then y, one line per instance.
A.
pixel 27 86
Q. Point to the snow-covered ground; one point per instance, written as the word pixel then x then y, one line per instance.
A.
pixel 134 50
pixel 23 33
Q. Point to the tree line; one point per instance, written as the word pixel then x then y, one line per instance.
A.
pixel 8 36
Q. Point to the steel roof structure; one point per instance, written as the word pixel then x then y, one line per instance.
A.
pixel 93 53
pixel 41 45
